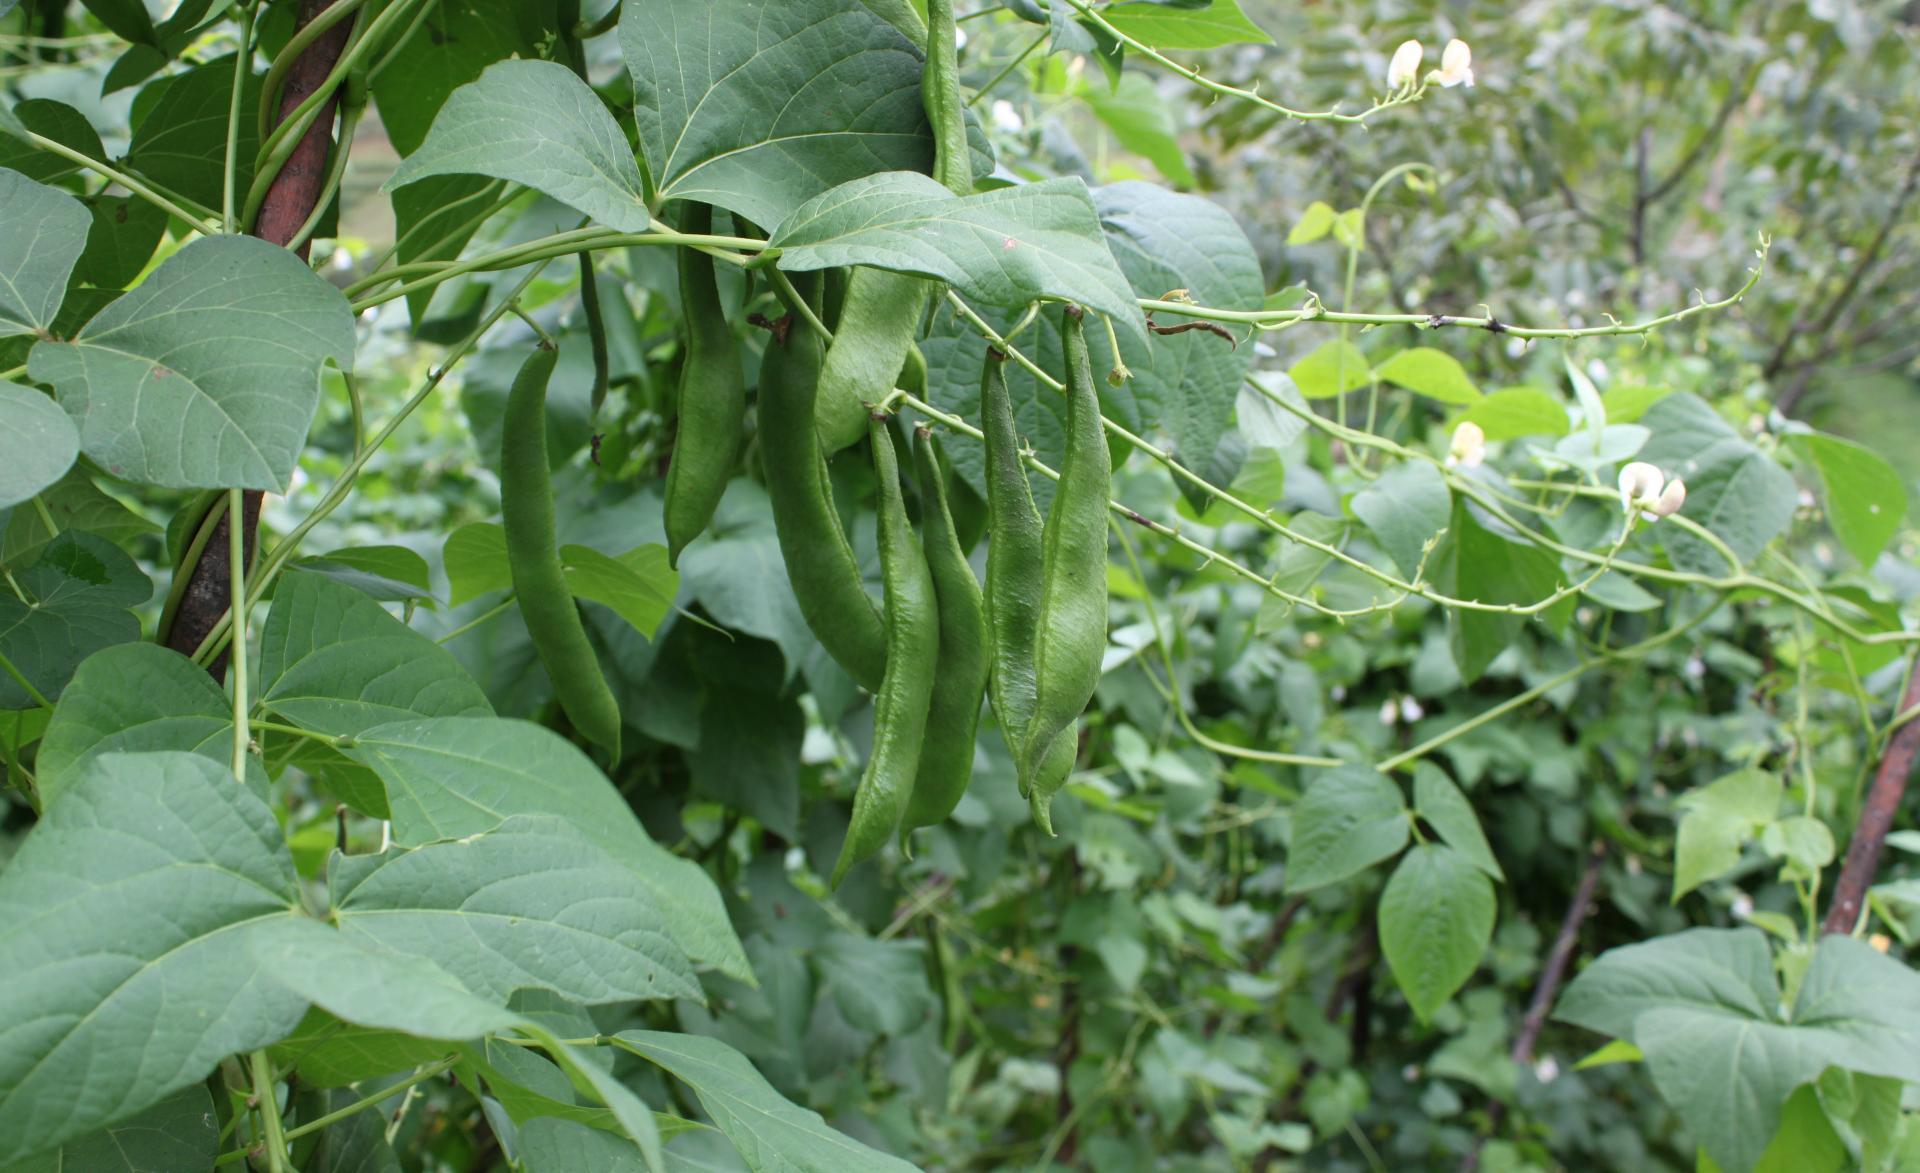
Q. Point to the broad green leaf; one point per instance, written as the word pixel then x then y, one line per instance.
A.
pixel 333 660
pixel 1591 450
pixel 1138 117
pixel 1263 423
pixel 46 233
pixel 126 230
pixel 1512 412
pixel 1804 844
pixel 389 574
pixel 1329 369
pixel 548 1144
pixel 535 122
pixel 476 561
pixel 1436 917
pixel 879 986
pixel 50 120
pixel 78 591
pixel 134 698
pixel 1866 499
pixel 181 143
pixel 738 576
pixel 37 442
pixel 532 902
pixel 1733 488
pixel 1313 224
pixel 457 776
pixel 757 108
pixel 1717 820
pixel 639 585
pixel 1005 247
pixel 1625 403
pixel 354 1144
pixel 628 1111
pixel 125 920
pixel 1406 508
pixel 207 374
pixel 1349 818
pixel 770 1132
pixel 179 1132
pixel 126 19
pixel 74 502
pixel 1806 1141
pixel 1474 562
pixel 1167 26
pixel 373 987
pixel 327 1052
pixel 1618 1051
pixel 1437 800
pixel 1429 372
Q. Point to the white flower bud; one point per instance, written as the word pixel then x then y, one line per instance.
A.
pixel 1469 446
pixel 1671 498
pixel 1640 485
pixel 1404 69
pixel 1389 711
pixel 1456 64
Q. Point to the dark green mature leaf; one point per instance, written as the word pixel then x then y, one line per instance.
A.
pixel 208 374
pixel 1349 819
pixel 1436 917
pixel 127 19
pixel 535 122
pixel 333 660
pixel 532 902
pixel 77 595
pixel 388 574
pixel 549 1144
pixel 37 443
pixel 879 986
pixel 737 574
pixel 51 120
pixel 1704 1006
pixel 181 143
pixel 355 1144
pixel 73 502
pixel 373 987
pixel 462 776
pixel 179 1132
pixel 46 233
pixel 1437 800
pixel 125 921
pixel 1166 26
pixel 133 698
pixel 330 1053
pixel 1476 563
pixel 771 1133
pixel 1407 507
pixel 1733 488
pixel 1005 247
pixel 756 107
pixel 126 231
pixel 1866 499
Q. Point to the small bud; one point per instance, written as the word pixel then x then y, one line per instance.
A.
pixel 1404 69
pixel 1469 447
pixel 1640 485
pixel 1456 64
pixel 1389 711
pixel 1671 498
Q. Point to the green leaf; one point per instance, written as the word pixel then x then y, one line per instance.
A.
pixel 389 574
pixel 376 988
pixel 1299 564
pixel 179 1132
pixel 1733 488
pixel 1329 369
pixel 327 1052
pixel 532 902
pixel 770 1132
pixel 125 922
pixel 136 697
pixel 1437 800
pixel 1866 499
pixel 126 19
pixel 1474 562
pixel 51 120
pixel 126 230
pixel 74 502
pixel 1138 117
pixel 1166 26
pixel 181 142
pixel 46 233
pixel 78 592
pixel 333 660
pixel 1512 412
pixel 1718 819
pixel 476 561
pixel 208 374
pixel 1704 1007
pixel 1350 818
pixel 628 1111
pixel 1407 507
pixel 536 123
pixel 1806 1141
pixel 758 108
pixel 879 986
pixel 1314 223
pixel 1005 247
pixel 462 776
pixel 548 1144
pixel 1618 1051
pixel 1803 842
pixel 639 585
pixel 1429 372
pixel 1436 917
pixel 37 442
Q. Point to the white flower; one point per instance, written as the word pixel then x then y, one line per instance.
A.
pixel 1546 1069
pixel 1404 69
pixel 1410 710
pixel 1640 485
pixel 1671 498
pixel 1456 64
pixel 1005 118
pixel 1389 711
pixel 1469 446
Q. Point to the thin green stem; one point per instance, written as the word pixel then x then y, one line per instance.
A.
pixel 237 617
pixel 980 94
pixel 20 678
pixel 499 609
pixel 308 33
pixel 267 1101
pixel 46 516
pixel 203 222
pixel 242 62
pixel 336 174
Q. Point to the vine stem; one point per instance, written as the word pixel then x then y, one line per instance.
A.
pixel 203 222
pixel 237 617
pixel 268 1104
pixel 1844 914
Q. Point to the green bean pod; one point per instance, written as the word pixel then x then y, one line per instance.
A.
pixel 879 318
pixel 1072 635
pixel 1015 563
pixel 953 716
pixel 905 694
pixel 533 558
pixel 826 577
pixel 712 398
pixel 946 107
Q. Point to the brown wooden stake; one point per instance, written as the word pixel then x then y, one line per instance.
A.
pixel 1876 817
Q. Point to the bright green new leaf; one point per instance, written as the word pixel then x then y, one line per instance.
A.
pixel 1313 224
pixel 38 443
pixel 77 593
pixel 1512 412
pixel 1866 499
pixel 1429 372
pixel 46 233
pixel 1803 843
pixel 1349 819
pixel 1436 917
pixel 131 905
pixel 1329 369
pixel 207 374
pixel 535 122
pixel 134 698
pixel 476 561
pixel 1437 800
pixel 1186 26
pixel 771 1133
pixel 1718 819
pixel 1138 117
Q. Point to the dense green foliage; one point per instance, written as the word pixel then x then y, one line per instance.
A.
pixel 1449 788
